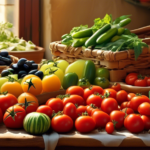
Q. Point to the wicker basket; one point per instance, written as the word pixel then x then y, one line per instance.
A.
pixel 36 55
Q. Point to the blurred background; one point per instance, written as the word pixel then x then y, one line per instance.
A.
pixel 44 21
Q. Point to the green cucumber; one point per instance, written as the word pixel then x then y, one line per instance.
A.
pixel 79 42
pixel 83 33
pixel 36 123
pixel 124 22
pixel 89 71
pixel 92 40
pixel 107 35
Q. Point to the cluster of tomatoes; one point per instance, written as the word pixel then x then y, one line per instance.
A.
pixel 17 100
pixel 137 80
pixel 94 107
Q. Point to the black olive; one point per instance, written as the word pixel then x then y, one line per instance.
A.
pixel 31 61
pixel 15 67
pixel 6 60
pixel 39 74
pixel 21 72
pixel 4 73
pixel 21 62
pixel 2 63
pixel 33 71
pixel 4 53
pixel 34 66
pixel 26 67
pixel 29 64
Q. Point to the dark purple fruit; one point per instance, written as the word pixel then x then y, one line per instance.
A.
pixel 21 72
pixel 34 66
pixel 39 74
pixel 21 62
pixel 4 53
pixel 2 63
pixel 32 71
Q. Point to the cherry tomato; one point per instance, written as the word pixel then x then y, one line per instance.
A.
pixel 128 111
pixel 89 108
pixel 117 117
pixel 96 109
pixel 109 128
pixel 7 100
pixel 144 109
pixel 81 109
pixel 110 93
pixel 14 116
pixel 123 105
pixel 146 121
pixel 97 89
pixel 101 118
pixel 45 109
pixel 1 115
pixel 130 78
pixel 32 85
pixel 56 104
pixel 29 102
pixel 62 123
pixel 94 99
pixel 130 96
pixel 87 93
pixel 121 96
pixel 70 110
pixel 134 123
pixel 108 105
pixel 116 87
pixel 140 82
pixel 13 88
pixel 137 100
pixel 75 90
pixel 84 124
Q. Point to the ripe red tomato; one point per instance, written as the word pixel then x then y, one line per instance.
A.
pixel 144 109
pixel 130 78
pixel 75 99
pixel 109 128
pixel 94 99
pixel 108 105
pixel 148 81
pixel 45 109
pixel 146 121
pixel 87 93
pixel 130 96
pixel 70 110
pixel 75 90
pixel 84 124
pixel 101 118
pixel 81 109
pixel 140 82
pixel 96 89
pixel 127 111
pixel 14 116
pixel 96 109
pixel 110 93
pixel 134 123
pixel 56 104
pixel 89 108
pixel 123 105
pixel 118 118
pixel 137 100
pixel 121 96
pixel 1 115
pixel 116 87
pixel 62 123
pixel 7 100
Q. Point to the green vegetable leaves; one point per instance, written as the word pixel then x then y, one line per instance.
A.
pixel 117 20
pixel 99 23
pixel 76 29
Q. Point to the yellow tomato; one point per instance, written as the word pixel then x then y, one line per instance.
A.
pixel 46 66
pixel 54 70
pixel 12 87
pixel 32 85
pixel 51 83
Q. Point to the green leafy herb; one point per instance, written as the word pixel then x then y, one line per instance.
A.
pixel 99 23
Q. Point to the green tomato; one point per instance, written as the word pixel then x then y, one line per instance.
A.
pixel 62 64
pixel 84 83
pixel 46 66
pixel 2 81
pixel 102 72
pixel 69 79
pixel 54 70
pixel 102 82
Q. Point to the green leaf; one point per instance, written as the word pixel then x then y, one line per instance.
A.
pixel 137 49
pixel 117 20
pixel 76 29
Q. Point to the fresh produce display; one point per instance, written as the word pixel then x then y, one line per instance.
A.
pixel 136 79
pixel 5 58
pixel 106 34
pixel 9 42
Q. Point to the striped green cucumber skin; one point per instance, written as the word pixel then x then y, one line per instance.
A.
pixel 92 40
pixel 36 123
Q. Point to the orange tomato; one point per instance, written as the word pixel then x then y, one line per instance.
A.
pixel 28 101
pixel 28 77
pixel 51 83
pixel 32 85
pixel 12 88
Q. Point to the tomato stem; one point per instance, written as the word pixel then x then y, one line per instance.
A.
pixel 30 84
